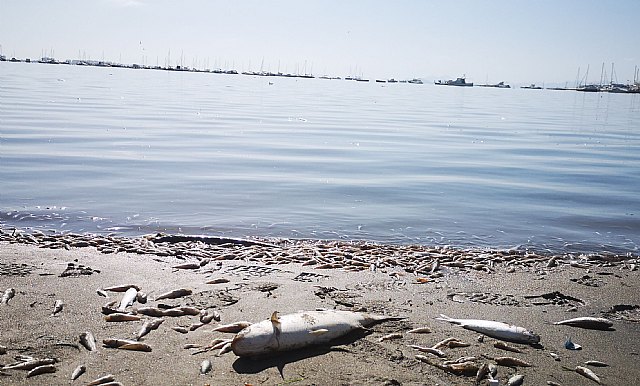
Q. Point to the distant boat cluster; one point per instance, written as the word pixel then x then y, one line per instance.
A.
pixel 96 63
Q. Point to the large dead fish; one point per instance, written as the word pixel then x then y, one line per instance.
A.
pixel 587 322
pixel 496 330
pixel 293 331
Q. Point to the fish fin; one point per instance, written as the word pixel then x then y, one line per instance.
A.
pixel 319 331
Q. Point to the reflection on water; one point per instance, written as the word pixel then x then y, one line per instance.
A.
pixel 131 152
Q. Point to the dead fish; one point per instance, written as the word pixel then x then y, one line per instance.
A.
pixel 555 356
pixel 149 326
pixel 587 373
pixel 233 327
pixel 205 366
pixel 177 293
pixel 180 329
pixel 141 297
pixel 430 350
pixel 88 341
pixel 225 349
pixel 516 380
pixel 596 364
pixel 450 343
pixel 150 311
pixel 137 346
pixel 8 295
pixel 206 316
pixel 483 372
pixel 30 364
pixel 57 307
pixel 588 323
pixel 552 383
pixel 121 288
pixel 420 330
pixel 44 369
pixel 293 331
pixel 190 311
pixel 102 380
pixel 390 336
pixel 569 345
pixel 115 343
pixel 186 266
pixel 128 298
pixel 78 372
pixel 504 346
pixel 102 293
pixel 119 317
pixel 496 330
pixel 511 362
pixel 220 280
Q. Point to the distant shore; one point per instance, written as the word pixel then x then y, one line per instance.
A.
pixel 249 279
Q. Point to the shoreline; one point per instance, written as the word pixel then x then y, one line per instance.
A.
pixel 253 280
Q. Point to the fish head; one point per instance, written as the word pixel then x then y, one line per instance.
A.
pixel 254 340
pixel 532 338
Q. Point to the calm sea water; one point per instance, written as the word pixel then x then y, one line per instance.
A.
pixel 103 150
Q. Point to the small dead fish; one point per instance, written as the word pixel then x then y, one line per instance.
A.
pixel 121 288
pixel 8 295
pixel 516 380
pixel 569 345
pixel 177 293
pixel 149 326
pixel 503 346
pixel 206 316
pixel 552 383
pixel 482 373
pixel 225 349
pixel 233 327
pixel 44 369
pixel 420 330
pixel 220 280
pixel 30 364
pixel 150 311
pixel 115 343
pixel 464 368
pixel 137 346
pixel 78 372
pixel 511 362
pixel 195 326
pixel 587 373
pixel 186 266
pixel 102 380
pixel 57 307
pixel 588 323
pixel 457 343
pixel 205 366
pixel 596 364
pixel 443 343
pixel 190 346
pixel 88 341
pixel 180 329
pixel 119 317
pixel 220 343
pixel 390 337
pixel 190 311
pixel 430 350
pixel 102 293
pixel 127 299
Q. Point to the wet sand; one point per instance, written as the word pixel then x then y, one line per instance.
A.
pixel 525 290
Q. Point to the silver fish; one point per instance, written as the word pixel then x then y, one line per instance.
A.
pixel 30 364
pixel 57 307
pixel 151 311
pixel 8 295
pixel 44 369
pixel 78 372
pixel 177 293
pixel 149 326
pixel 102 380
pixel 587 373
pixel 420 330
pixel 127 299
pixel 496 330
pixel 596 364
pixel 588 323
pixel 88 341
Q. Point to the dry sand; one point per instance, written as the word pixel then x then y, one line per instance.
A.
pixel 254 291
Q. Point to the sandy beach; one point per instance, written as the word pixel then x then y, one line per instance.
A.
pixel 252 279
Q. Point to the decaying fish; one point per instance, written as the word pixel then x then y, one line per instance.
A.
pixel 511 362
pixel 119 317
pixel 137 346
pixel 461 368
pixel 483 372
pixel 115 343
pixel 496 330
pixel 225 349
pixel 220 280
pixel 186 266
pixel 177 293
pixel 205 366
pixel 78 372
pixel 420 330
pixel 88 341
pixel 44 369
pixel 8 295
pixel 121 288
pixel 444 343
pixel 127 299
pixel 102 380
pixel 429 350
pixel 293 331
pixel 587 322
pixel 516 380
pixel 504 346
pixel 149 326
pixel 596 364
pixel 30 364
pixel 151 311
pixel 587 373
pixel 395 335
pixel 57 307
pixel 180 329
pixel 233 327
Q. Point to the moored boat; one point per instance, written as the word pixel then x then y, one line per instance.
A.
pixel 458 82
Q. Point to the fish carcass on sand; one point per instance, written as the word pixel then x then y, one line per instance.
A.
pixel 587 322
pixel 496 330
pixel 302 329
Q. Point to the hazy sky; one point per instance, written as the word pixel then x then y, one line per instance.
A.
pixel 519 41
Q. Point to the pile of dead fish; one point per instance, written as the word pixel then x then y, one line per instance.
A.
pixel 426 262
